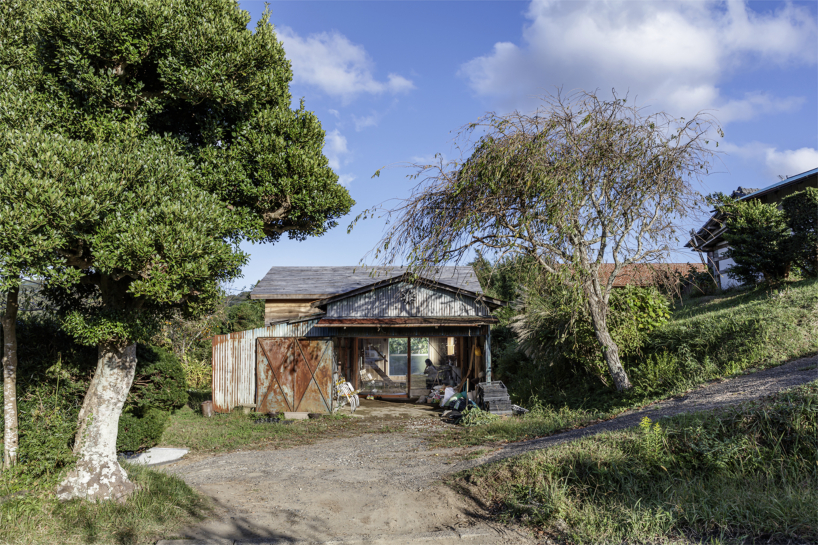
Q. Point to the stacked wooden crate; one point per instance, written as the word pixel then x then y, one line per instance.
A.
pixel 493 397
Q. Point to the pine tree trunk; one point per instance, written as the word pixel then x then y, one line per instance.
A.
pixel 10 422
pixel 98 475
pixel 609 349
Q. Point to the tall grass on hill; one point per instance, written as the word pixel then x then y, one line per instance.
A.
pixel 747 472
pixel 705 338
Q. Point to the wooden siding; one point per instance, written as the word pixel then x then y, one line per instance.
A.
pixel 386 302
pixel 285 309
pixel 321 282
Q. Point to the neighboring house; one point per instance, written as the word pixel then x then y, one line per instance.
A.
pixel 375 327
pixel 649 274
pixel 710 238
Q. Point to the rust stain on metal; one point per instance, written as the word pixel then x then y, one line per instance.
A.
pixel 294 375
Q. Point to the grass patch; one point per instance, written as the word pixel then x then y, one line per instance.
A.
pixel 747 473
pixel 163 504
pixel 222 432
pixel 539 422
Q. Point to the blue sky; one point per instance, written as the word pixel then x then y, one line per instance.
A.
pixel 391 80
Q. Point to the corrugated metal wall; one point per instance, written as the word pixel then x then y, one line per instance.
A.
pixel 386 302
pixel 234 361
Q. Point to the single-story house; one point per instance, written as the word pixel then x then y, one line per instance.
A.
pixel 709 239
pixel 381 329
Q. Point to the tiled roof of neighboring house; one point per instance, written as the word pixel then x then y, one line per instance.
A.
pixel 646 274
pixel 322 282
pixel 741 192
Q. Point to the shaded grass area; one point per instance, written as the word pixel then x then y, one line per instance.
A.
pixel 743 474
pixel 162 505
pixel 222 432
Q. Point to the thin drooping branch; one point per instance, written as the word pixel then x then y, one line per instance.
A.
pixel 577 183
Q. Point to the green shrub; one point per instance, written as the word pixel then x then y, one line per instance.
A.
pixel 143 431
pixel 559 340
pixel 159 382
pixel 759 241
pixel 53 377
pixel 802 218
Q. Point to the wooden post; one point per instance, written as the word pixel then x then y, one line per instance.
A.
pixel 487 353
pixel 408 367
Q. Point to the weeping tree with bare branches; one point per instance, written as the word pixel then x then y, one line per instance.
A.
pixel 579 182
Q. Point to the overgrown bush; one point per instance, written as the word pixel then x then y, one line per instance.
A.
pixel 555 327
pixel 159 387
pixel 136 432
pixel 759 239
pixel 159 382
pixel 53 376
pixel 802 218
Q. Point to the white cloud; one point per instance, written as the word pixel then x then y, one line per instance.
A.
pixel 346 179
pixel 776 163
pixel 791 162
pixel 672 55
pixel 337 66
pixel 335 148
pixel 335 113
pixel 366 121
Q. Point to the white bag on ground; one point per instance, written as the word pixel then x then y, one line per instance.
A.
pixel 447 393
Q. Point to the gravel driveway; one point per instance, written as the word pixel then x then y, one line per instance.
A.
pixel 389 484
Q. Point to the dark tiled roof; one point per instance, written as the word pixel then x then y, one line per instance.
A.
pixel 743 192
pixel 320 282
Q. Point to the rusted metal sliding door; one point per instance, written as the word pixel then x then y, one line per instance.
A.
pixel 294 375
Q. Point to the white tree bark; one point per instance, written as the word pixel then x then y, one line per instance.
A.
pixel 10 422
pixel 98 475
pixel 609 349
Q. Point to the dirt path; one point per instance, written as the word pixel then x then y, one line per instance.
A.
pixel 389 484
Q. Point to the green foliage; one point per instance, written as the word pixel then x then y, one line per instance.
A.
pixel 700 283
pixel 159 382
pixel 759 241
pixel 474 416
pixel 557 326
pixel 747 472
pixel 653 439
pixel 246 314
pixel 139 144
pixel 705 338
pixel 53 376
pixel 801 210
pixel 137 432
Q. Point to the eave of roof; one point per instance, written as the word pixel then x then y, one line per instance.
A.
pixel 780 185
pixel 405 322
pixel 760 193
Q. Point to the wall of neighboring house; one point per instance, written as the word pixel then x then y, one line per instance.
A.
pixel 722 265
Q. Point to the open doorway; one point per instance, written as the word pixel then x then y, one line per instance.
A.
pixel 411 366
